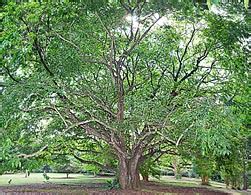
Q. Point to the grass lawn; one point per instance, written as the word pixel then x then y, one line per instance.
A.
pixel 77 179
pixel 57 178
pixel 196 182
pixel 186 182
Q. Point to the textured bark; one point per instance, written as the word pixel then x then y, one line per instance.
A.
pixel 129 173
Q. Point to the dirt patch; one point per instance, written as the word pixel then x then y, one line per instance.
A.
pixel 181 190
pixel 150 188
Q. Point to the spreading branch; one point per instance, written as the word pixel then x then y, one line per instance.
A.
pixel 93 162
pixel 35 154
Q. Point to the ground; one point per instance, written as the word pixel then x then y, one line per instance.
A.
pixel 81 184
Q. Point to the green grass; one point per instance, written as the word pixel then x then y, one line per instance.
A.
pixel 77 179
pixel 57 178
pixel 195 182
pixel 184 182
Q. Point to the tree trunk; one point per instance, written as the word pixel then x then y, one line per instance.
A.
pixel 129 173
pixel 227 181
pixel 245 177
pixel 245 166
pixel 176 168
pixel 26 173
pixel 245 181
pixel 145 177
pixel 204 180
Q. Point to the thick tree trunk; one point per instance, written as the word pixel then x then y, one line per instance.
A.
pixel 129 173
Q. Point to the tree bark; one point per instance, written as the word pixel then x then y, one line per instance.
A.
pixel 204 180
pixel 129 173
pixel 145 177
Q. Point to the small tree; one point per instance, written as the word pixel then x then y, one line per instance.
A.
pixel 67 168
pixel 204 166
pixel 65 164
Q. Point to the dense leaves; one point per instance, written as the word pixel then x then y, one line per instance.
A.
pixel 130 80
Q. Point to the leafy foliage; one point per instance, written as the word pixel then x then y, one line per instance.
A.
pixel 117 83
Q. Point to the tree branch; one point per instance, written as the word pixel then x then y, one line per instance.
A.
pixel 180 59
pixel 92 162
pixel 199 59
pixel 35 154
pixel 10 75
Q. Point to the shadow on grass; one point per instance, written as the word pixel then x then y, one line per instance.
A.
pixel 63 178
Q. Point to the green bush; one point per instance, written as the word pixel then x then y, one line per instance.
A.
pixel 113 184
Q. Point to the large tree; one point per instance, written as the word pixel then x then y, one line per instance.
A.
pixel 114 72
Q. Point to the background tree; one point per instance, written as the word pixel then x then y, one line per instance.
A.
pixel 66 165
